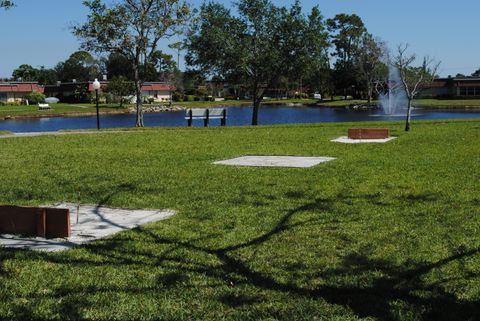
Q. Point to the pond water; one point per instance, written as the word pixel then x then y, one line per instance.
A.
pixel 237 116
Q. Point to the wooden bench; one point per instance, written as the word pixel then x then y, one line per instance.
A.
pixel 206 114
pixel 368 133
pixel 43 106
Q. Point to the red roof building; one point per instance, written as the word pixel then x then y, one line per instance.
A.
pixel 151 91
pixel 16 91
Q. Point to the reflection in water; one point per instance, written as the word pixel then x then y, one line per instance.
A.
pixel 237 116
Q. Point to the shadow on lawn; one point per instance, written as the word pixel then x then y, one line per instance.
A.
pixel 393 292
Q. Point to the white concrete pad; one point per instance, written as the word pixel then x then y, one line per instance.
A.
pixel 94 223
pixel 275 161
pixel 346 140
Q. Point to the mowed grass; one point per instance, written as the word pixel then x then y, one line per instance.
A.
pixel 452 103
pixel 385 232
pixel 424 103
pixel 56 109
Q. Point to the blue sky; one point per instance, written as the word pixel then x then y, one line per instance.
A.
pixel 37 32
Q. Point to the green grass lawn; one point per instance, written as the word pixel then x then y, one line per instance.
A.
pixel 341 102
pixel 385 232
pixel 452 103
pixel 425 103
pixel 56 109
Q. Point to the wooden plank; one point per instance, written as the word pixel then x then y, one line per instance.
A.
pixel 41 223
pixel 368 133
pixel 218 112
pixel 58 222
pixel 15 220
pixel 35 221
pixel 195 112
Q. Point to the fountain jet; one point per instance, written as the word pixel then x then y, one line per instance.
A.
pixel 395 98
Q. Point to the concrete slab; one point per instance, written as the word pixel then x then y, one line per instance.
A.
pixel 275 161
pixel 94 223
pixel 346 140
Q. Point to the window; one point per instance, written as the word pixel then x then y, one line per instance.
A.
pixel 470 91
pixel 463 91
pixel 3 96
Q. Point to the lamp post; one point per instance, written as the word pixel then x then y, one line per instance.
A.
pixel 96 86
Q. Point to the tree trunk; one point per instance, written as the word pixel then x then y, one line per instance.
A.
pixel 369 93
pixel 256 106
pixel 409 110
pixel 138 93
pixel 257 99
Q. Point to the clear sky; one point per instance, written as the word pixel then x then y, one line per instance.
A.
pixel 37 32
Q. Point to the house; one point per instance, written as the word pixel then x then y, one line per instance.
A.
pixel 77 91
pixel 158 91
pixel 461 87
pixel 11 92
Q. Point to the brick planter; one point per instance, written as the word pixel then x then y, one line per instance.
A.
pixel 368 133
pixel 35 221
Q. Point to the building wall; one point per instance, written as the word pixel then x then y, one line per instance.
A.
pixel 468 91
pixel 158 95
pixel 12 97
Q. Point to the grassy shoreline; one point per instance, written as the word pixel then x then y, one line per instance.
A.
pixel 381 233
pixel 75 110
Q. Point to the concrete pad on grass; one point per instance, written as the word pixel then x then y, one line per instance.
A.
pixel 275 161
pixel 94 223
pixel 346 140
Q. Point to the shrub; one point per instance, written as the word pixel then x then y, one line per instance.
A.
pixel 35 97
pixel 177 96
pixel 196 98
pixel 110 98
pixel 202 91
pixel 10 103
pixel 190 98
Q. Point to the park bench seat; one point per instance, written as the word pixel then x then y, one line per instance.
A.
pixel 206 114
pixel 43 106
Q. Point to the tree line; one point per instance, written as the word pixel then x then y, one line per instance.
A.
pixel 82 67
pixel 254 44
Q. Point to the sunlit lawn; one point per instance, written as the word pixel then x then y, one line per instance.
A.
pixel 385 232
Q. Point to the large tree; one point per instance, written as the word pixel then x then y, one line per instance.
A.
pixel 370 61
pixel 413 78
pixel 6 4
pixel 117 65
pixel 121 87
pixel 257 44
pixel 43 75
pixel 347 32
pixel 132 28
pixel 80 66
pixel 25 72
pixel 46 76
pixel 316 65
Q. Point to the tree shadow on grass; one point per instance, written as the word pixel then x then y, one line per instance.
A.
pixel 391 290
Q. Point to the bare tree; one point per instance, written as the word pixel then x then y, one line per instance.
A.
pixel 413 79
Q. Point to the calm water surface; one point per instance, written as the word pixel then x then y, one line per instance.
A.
pixel 237 116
